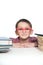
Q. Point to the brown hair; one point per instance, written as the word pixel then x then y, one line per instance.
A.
pixel 23 20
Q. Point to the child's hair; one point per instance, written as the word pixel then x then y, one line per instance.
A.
pixel 23 20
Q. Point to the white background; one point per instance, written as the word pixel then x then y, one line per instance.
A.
pixel 13 10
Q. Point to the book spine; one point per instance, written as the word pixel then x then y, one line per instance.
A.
pixel 5 42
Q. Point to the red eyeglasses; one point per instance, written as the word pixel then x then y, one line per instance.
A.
pixel 24 28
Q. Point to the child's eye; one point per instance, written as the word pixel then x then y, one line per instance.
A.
pixel 27 28
pixel 20 29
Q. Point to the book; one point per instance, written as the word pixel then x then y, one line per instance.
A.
pixel 5 44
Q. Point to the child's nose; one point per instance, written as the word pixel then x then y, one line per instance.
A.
pixel 24 30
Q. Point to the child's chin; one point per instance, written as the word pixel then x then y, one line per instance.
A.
pixel 25 38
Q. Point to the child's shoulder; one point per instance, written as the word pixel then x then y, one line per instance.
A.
pixel 33 39
pixel 15 40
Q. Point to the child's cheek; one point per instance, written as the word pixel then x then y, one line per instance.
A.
pixel 30 32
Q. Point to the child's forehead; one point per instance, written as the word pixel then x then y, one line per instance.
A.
pixel 23 24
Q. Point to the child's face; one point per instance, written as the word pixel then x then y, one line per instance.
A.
pixel 24 30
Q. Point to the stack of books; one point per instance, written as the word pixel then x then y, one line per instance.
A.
pixel 40 41
pixel 5 44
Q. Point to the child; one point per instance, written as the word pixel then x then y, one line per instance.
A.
pixel 24 30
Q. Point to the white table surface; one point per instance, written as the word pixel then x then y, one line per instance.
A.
pixel 22 56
